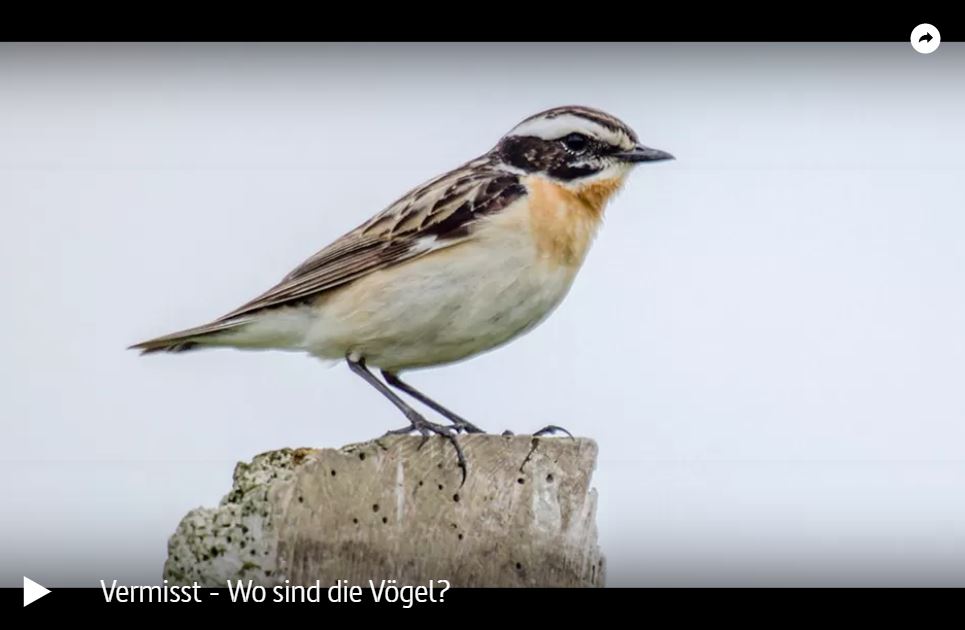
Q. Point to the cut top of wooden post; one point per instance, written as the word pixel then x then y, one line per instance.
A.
pixel 393 509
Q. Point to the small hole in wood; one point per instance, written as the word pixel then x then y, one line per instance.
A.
pixel 362 456
pixel 375 507
pixel 455 498
pixel 385 519
pixel 549 478
pixel 333 473
pixel 520 481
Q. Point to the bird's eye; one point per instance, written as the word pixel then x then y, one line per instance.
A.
pixel 575 142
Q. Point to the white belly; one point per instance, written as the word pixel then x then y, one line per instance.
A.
pixel 443 307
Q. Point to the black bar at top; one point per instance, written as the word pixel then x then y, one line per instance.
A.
pixel 491 22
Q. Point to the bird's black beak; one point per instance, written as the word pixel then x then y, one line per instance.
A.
pixel 641 153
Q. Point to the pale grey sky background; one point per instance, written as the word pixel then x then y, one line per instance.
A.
pixel 766 340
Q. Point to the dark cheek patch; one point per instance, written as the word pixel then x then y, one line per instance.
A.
pixel 549 156
pixel 567 173
pixel 532 154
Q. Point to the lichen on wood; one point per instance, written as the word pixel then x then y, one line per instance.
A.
pixel 394 508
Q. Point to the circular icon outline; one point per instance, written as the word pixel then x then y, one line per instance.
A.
pixel 925 38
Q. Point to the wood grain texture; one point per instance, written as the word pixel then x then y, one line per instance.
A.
pixel 389 509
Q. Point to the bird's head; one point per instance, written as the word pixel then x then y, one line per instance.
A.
pixel 574 146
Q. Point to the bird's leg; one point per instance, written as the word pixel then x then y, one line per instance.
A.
pixel 418 423
pixel 458 422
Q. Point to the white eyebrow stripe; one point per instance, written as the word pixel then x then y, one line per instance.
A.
pixel 559 126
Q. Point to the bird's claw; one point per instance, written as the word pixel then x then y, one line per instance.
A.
pixel 464 426
pixel 547 430
pixel 426 428
pixel 550 429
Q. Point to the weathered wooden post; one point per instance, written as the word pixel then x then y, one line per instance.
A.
pixel 388 509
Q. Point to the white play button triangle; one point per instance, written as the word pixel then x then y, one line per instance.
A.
pixel 32 591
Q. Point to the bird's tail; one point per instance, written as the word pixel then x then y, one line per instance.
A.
pixel 190 339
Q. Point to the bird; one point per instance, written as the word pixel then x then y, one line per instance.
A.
pixel 458 266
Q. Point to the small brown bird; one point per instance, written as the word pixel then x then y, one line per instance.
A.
pixel 460 265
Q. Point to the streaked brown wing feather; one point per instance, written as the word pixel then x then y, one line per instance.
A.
pixel 436 215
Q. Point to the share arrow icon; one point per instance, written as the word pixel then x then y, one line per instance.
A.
pixel 925 38
pixel 32 591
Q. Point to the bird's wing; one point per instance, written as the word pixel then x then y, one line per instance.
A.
pixel 436 215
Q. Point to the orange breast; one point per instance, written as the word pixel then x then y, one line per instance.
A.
pixel 564 220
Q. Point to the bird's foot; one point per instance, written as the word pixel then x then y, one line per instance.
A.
pixel 464 426
pixel 550 429
pixel 547 430
pixel 426 428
